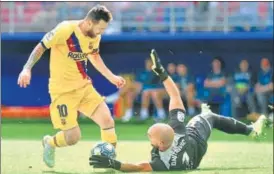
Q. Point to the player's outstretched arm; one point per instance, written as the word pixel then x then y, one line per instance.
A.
pixel 174 94
pixel 98 161
pixel 170 86
pixel 99 64
pixel 25 75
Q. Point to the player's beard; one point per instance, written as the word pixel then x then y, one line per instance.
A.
pixel 91 34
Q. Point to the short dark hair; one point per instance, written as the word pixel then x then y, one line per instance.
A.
pixel 99 12
pixel 221 60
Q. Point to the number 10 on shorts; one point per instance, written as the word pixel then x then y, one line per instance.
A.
pixel 63 112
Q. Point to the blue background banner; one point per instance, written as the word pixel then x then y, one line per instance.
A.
pixel 126 54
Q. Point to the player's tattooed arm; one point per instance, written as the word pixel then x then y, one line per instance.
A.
pixel 35 56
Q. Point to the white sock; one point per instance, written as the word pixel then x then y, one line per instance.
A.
pixel 129 112
pixel 161 113
pixel 144 113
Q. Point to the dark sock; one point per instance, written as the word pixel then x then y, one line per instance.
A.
pixel 231 126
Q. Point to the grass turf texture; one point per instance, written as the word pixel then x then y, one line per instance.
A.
pixel 22 150
pixel 36 129
pixel 25 157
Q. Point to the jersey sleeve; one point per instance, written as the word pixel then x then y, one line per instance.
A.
pixel 176 121
pixel 156 163
pixel 56 36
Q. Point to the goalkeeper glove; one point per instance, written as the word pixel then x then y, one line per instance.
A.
pixel 98 161
pixel 157 67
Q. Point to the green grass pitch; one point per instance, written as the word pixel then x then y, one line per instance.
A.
pixel 21 151
pixel 25 157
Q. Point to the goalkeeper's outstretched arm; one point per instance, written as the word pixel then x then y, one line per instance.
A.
pixel 174 94
pixel 170 86
pixel 98 161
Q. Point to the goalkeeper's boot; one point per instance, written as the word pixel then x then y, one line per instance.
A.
pixel 259 127
pixel 49 152
pixel 205 109
pixel 157 67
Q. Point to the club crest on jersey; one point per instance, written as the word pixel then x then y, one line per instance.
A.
pixel 49 35
pixel 77 55
pixel 181 116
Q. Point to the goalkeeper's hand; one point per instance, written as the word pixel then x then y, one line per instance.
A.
pixel 98 161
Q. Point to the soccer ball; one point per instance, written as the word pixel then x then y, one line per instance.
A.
pixel 104 149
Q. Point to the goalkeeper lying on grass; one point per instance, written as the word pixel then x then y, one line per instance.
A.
pixel 177 146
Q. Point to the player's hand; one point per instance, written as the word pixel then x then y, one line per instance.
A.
pixel 98 161
pixel 118 81
pixel 24 78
